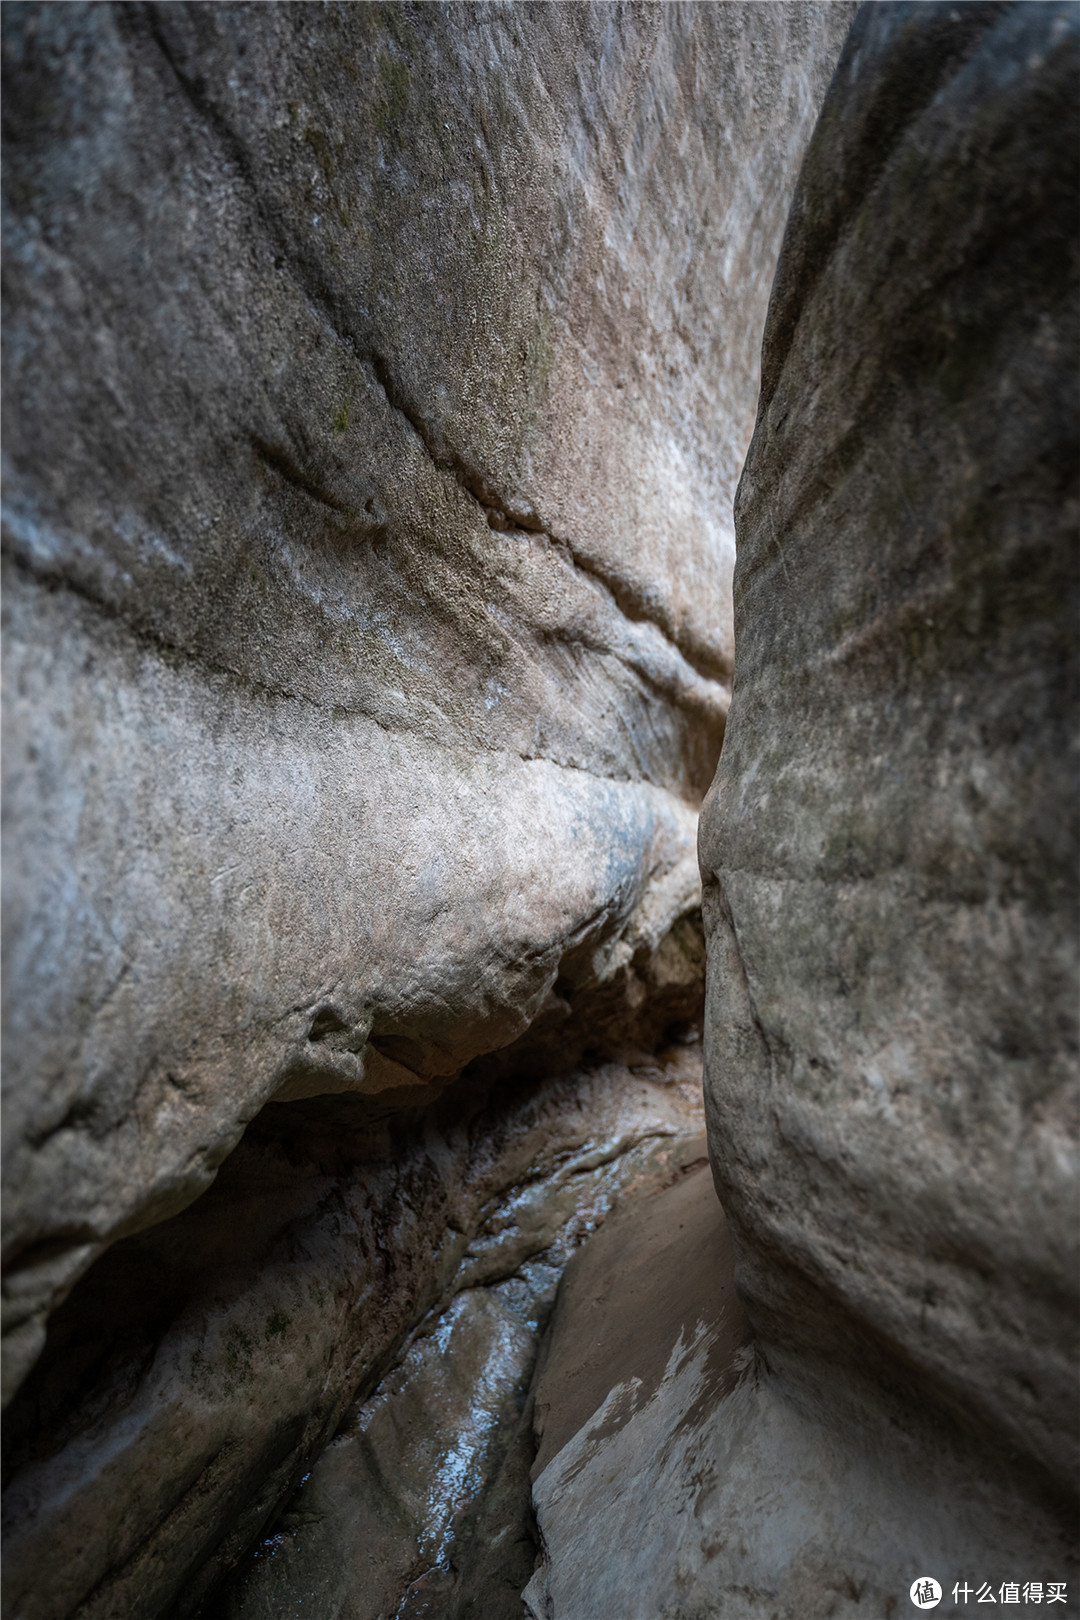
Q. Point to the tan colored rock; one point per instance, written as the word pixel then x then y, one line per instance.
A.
pixel 889 849
pixel 655 1282
pixel 648 1337
pixel 376 384
pixel 756 1507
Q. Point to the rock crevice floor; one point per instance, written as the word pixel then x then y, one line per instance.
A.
pixel 422 1503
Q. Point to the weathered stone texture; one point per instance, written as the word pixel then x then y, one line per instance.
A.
pixel 890 897
pixel 424 1495
pixel 376 383
pixel 647 1339
pixel 890 846
pixel 198 1371
pixel 377 379
pixel 679 1478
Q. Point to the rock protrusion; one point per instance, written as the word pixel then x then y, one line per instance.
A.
pixel 376 382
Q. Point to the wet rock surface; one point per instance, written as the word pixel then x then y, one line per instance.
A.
pixel 376 383
pixel 385 1524
pixel 203 1366
pixel 422 1503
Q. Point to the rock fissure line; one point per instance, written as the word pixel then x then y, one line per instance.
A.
pixel 276 409
pixel 502 515
pixel 174 654
pixel 278 458
pixel 325 306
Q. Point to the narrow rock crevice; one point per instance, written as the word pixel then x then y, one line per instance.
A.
pixel 329 1254
pixel 444 1176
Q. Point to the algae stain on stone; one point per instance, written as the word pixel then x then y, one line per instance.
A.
pixel 277 1324
pixel 394 101
pixel 329 167
pixel 237 1360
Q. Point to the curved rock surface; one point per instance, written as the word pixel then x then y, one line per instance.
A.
pixel 890 897
pixel 377 380
pixel 889 850
pixel 197 1372
pixel 422 1505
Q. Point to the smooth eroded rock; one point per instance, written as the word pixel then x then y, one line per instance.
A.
pixel 648 1338
pixel 376 382
pixel 422 1503
pixel 889 849
pixel 201 1367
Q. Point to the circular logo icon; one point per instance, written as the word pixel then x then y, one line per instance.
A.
pixel 925 1592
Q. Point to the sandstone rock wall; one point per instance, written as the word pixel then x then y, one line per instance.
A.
pixel 890 896
pixel 890 846
pixel 194 1376
pixel 377 380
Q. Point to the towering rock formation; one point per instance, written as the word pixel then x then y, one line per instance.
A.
pixel 377 383
pixel 890 846
pixel 889 857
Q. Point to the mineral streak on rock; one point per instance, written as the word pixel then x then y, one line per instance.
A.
pixel 889 849
pixel 424 1495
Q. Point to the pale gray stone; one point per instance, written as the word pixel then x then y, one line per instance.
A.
pixel 889 860
pixel 376 384
pixel 377 379
pixel 889 850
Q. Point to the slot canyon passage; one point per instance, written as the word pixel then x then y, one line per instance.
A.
pixel 378 384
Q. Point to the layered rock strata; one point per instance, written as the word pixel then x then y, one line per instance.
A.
pixel 890 897
pixel 889 850
pixel 376 383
